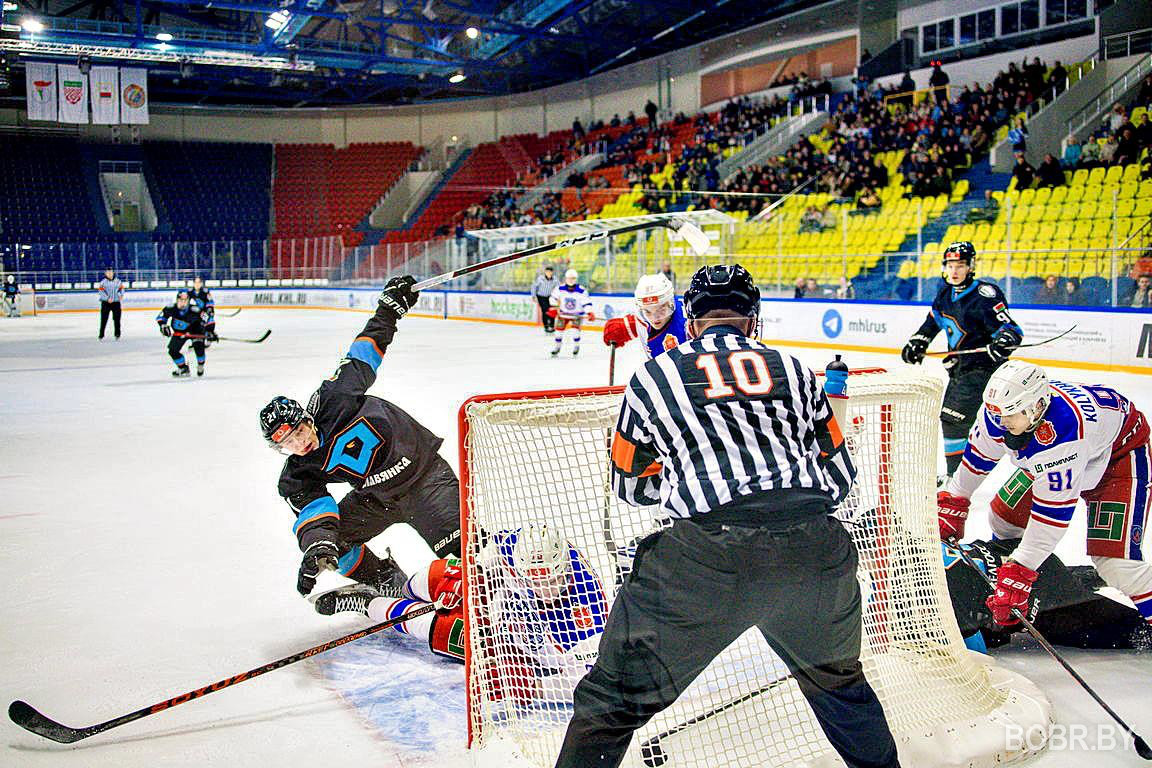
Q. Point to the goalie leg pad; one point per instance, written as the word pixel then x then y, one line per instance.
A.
pixel 446 634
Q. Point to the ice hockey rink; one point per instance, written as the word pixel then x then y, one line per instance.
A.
pixel 146 551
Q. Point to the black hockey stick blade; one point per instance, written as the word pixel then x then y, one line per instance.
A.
pixel 30 719
pixel 263 336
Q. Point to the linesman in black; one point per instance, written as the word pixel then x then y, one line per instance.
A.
pixel 389 459
pixel 972 313
pixel 182 322
pixel 737 444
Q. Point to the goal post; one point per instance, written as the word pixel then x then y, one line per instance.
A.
pixel 541 459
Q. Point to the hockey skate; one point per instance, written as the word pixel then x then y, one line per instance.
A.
pixel 389 581
pixel 353 598
pixel 575 351
pixel 556 350
pixel 181 372
pixel 199 369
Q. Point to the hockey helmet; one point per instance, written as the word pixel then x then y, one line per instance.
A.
pixel 279 418
pixel 722 286
pixel 11 278
pixel 655 298
pixel 183 294
pixel 1018 387
pixel 961 250
pixel 571 276
pixel 541 561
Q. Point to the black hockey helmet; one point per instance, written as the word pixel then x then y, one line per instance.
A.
pixel 722 286
pixel 279 418
pixel 183 293
pixel 961 250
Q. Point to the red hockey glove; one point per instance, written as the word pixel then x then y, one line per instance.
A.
pixel 618 331
pixel 591 317
pixel 445 583
pixel 1013 589
pixel 953 513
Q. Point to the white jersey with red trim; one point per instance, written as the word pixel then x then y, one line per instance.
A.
pixel 571 301
pixel 1083 428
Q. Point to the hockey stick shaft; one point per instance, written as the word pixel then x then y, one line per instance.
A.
pixel 257 340
pixel 1142 747
pixel 794 191
pixel 984 350
pixel 690 231
pixel 232 314
pixel 28 718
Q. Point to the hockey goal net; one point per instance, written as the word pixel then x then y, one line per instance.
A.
pixel 540 459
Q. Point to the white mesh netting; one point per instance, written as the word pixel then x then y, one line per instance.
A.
pixel 541 460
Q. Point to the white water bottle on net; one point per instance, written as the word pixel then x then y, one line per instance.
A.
pixel 536 466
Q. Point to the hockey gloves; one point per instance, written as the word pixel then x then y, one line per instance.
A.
pixel 165 330
pixel 953 513
pixel 618 331
pixel 1013 589
pixel 320 556
pixel 398 297
pixel 913 352
pixel 1002 344
pixel 210 336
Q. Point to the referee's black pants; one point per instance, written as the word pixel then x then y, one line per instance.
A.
pixel 110 308
pixel 545 303
pixel 692 592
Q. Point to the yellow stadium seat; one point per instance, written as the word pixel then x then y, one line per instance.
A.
pixel 1131 172
pixel 1058 195
pixel 1096 175
pixel 1113 174
pixel 1080 177
pixel 1042 195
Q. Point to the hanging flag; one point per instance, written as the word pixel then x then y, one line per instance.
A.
pixel 41 82
pixel 73 94
pixel 104 89
pixel 133 96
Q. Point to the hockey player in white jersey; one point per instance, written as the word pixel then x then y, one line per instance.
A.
pixel 659 317
pixel 549 603
pixel 1071 441
pixel 572 304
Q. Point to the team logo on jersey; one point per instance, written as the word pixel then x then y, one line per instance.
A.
pixel 1045 433
pixel 670 342
pixel 988 290
pixel 582 617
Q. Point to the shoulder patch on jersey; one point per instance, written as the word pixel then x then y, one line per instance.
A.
pixel 988 290
pixel 1045 433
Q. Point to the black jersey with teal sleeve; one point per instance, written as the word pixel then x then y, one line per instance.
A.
pixel 969 317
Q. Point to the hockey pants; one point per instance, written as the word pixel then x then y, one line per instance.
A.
pixel 962 401
pixel 176 343
pixel 692 592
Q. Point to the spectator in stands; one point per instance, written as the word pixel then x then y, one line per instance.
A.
pixel 1144 97
pixel 812 289
pixel 1034 75
pixel 652 111
pixel 798 293
pixel 1089 154
pixel 1023 172
pixel 1050 292
pixel 1071 292
pixel 1018 135
pixel 1049 174
pixel 666 270
pixel 615 121
pixel 1108 150
pixel 846 290
pixel 111 290
pixel 1142 299
pixel 906 86
pixel 1057 79
pixel 938 81
pixel 1127 148
pixel 987 211
pixel 869 202
pixel 1116 118
pixel 865 56
pixel 812 220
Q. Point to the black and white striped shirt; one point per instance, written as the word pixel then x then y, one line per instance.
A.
pixel 724 424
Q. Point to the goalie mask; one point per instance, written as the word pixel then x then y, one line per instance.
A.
pixel 655 299
pixel 1018 388
pixel 540 561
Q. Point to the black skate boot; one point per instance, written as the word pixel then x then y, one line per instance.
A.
pixel 389 581
pixel 199 369
pixel 181 372
pixel 353 598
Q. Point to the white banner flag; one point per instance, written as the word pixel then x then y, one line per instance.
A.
pixel 41 82
pixel 133 96
pixel 73 94
pixel 104 87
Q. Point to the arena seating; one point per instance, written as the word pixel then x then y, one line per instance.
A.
pixel 43 195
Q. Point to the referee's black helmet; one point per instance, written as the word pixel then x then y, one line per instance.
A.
pixel 722 286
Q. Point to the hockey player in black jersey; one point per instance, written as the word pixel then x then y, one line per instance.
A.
pixel 202 297
pixel 1065 605
pixel 11 294
pixel 182 322
pixel 389 459
pixel 972 313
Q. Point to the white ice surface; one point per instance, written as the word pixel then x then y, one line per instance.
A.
pixel 145 551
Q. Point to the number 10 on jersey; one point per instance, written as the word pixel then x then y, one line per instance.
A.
pixel 745 368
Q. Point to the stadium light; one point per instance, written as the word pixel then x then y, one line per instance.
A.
pixel 164 37
pixel 31 24
pixel 472 33
pixel 459 77
pixel 278 20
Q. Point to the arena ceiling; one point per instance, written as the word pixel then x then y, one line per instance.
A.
pixel 323 53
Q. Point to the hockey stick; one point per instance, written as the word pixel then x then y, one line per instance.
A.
pixel 262 337
pixel 652 752
pixel 1142 747
pixel 984 349
pixel 689 231
pixel 29 719
pixel 233 314
pixel 606 519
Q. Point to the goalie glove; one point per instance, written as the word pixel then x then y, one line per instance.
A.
pixel 320 556
pixel 398 297
pixel 913 352
pixel 1013 591
pixel 618 331
pixel 1002 343
pixel 953 514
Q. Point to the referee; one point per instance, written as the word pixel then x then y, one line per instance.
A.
pixel 736 442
